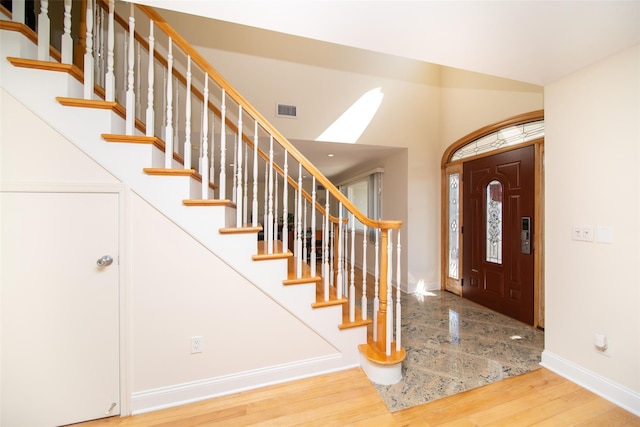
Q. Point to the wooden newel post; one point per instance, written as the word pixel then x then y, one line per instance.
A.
pixel 381 339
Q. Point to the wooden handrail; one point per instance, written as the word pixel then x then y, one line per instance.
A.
pixel 253 113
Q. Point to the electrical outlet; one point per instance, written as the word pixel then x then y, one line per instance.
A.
pixel 587 233
pixel 196 345
pixel 601 344
pixel 576 233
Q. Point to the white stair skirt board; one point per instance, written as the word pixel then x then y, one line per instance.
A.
pixel 180 394
pixel 381 374
pixel 621 396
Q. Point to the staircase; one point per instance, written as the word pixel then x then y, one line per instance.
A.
pixel 173 156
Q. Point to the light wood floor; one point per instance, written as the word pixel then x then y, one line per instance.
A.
pixel 347 398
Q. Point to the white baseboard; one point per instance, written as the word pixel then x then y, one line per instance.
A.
pixel 615 393
pixel 180 394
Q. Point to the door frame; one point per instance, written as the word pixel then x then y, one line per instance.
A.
pixel 124 291
pixel 448 167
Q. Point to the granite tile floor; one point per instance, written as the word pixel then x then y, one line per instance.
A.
pixel 455 345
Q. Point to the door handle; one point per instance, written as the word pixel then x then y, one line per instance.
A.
pixel 105 261
pixel 525 235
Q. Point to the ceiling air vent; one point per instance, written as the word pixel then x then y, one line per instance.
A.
pixel 283 110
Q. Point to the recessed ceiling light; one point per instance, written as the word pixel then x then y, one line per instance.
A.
pixel 330 155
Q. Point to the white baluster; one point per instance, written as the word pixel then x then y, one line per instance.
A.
pixel 239 194
pixel 88 54
pixel 299 225
pixel 285 205
pixel 304 230
pixel 130 120
pixel 265 209
pixel 339 279
pixel 125 67
pixel 100 46
pixel 201 137
pixel 235 175
pixel 254 201
pixel 176 113
pixel 332 239
pixel 313 227
pixel 212 149
pixel 389 325
pixel 66 46
pixel 44 26
pixel 274 228
pixel 223 148
pixel 187 119
pixel 150 124
pixel 363 308
pixel 138 75
pixel 376 298
pixel 204 152
pixel 110 79
pixel 98 49
pixel 325 246
pixel 164 103
pixel 352 286
pixel 398 309
pixel 245 193
pixel 270 201
pixel 168 149
pixel 296 228
pixel 17 11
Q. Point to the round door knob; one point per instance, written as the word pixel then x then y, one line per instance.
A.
pixel 104 261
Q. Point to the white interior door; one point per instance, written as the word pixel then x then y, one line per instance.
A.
pixel 60 345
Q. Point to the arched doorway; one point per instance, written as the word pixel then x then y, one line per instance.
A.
pixel 486 241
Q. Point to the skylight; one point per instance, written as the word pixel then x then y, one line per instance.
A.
pixel 352 123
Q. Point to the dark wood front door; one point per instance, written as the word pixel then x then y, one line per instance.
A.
pixel 498 209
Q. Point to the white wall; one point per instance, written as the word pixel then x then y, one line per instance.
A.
pixel 471 101
pixel 180 289
pixel 592 179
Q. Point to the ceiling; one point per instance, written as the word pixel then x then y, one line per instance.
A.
pixel 536 42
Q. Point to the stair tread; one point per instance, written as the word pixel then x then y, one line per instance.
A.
pixel 241 230
pixel 169 171
pixel 46 65
pixel 263 253
pixel 131 139
pixel 333 296
pixel 208 202
pixel 306 276
pixel 371 351
pixel 86 103
pixel 346 323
